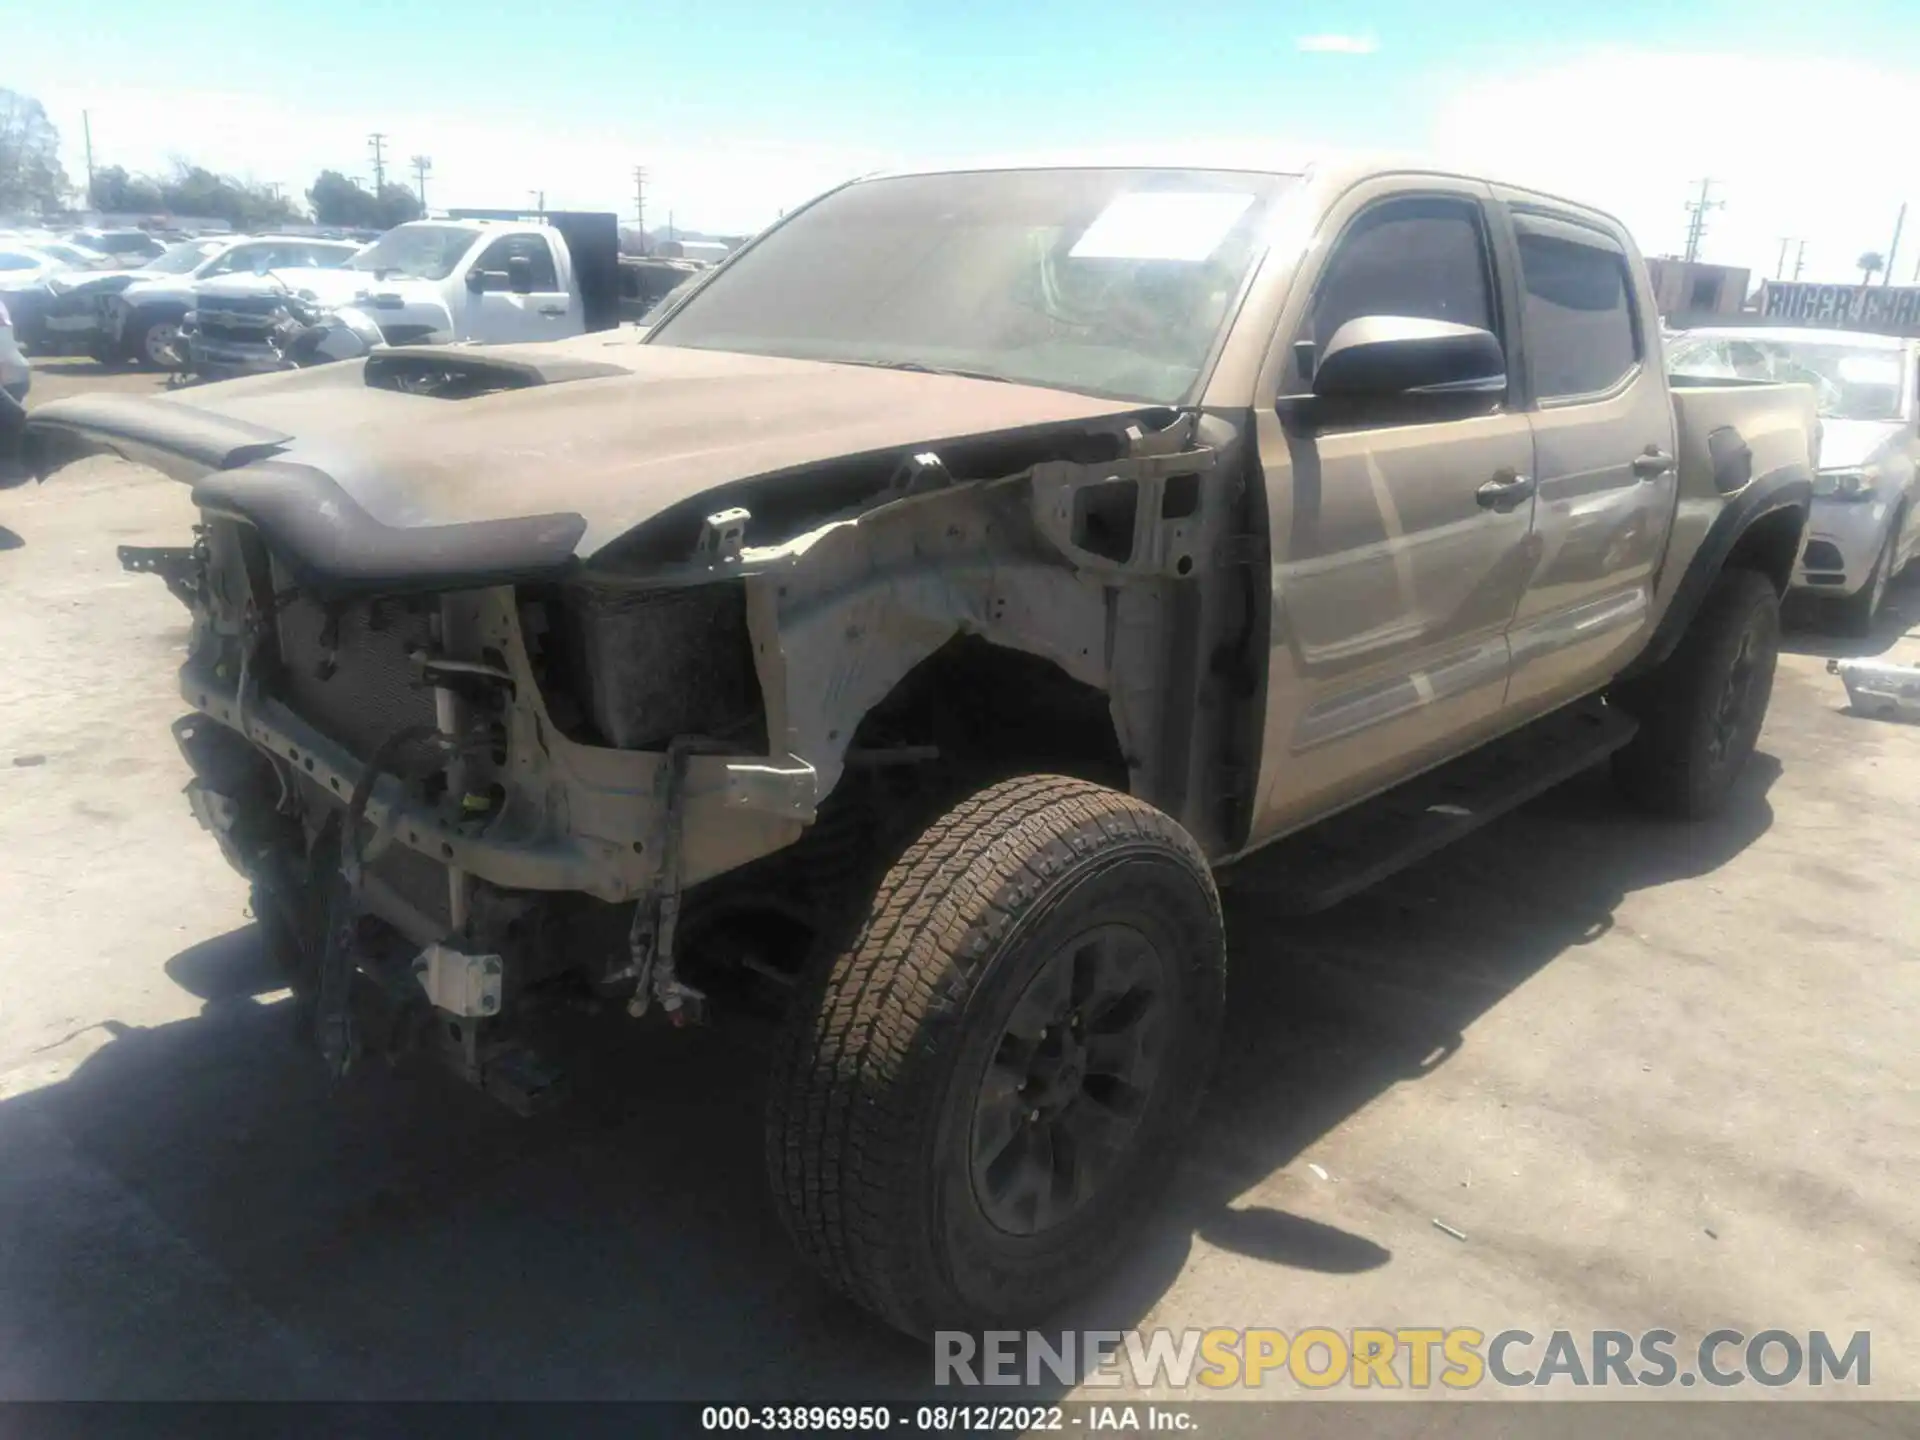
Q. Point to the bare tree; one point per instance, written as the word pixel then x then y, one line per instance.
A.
pixel 32 179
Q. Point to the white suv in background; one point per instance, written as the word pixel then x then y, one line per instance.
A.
pixel 1865 524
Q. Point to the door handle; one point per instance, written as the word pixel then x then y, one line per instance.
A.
pixel 1505 491
pixel 554 312
pixel 1653 461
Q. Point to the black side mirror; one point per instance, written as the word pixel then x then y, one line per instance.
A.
pixel 1381 357
pixel 520 274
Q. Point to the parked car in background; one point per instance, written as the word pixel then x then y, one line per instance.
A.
pixel 65 252
pixel 141 322
pixel 15 377
pixel 646 281
pixel 131 247
pixel 467 278
pixel 1865 526
pixel 26 273
pixel 901 632
pixel 133 313
pixel 67 314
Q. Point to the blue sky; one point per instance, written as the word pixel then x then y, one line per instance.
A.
pixel 740 109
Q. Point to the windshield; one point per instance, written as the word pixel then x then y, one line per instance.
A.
pixel 1853 382
pixel 420 252
pixel 179 259
pixel 1108 282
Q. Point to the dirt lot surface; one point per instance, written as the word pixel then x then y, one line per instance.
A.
pixel 1655 1076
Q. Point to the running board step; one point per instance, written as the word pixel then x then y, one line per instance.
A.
pixel 1319 867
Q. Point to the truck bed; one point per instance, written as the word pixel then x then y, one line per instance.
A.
pixel 1727 434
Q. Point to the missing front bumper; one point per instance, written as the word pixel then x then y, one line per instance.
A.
pixel 728 806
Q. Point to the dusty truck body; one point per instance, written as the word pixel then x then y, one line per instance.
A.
pixel 902 630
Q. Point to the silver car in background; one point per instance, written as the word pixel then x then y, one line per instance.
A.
pixel 1865 524
pixel 15 376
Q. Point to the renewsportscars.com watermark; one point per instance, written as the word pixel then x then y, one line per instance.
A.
pixel 1402 1358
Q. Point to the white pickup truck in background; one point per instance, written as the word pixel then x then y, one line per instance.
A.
pixel 473 277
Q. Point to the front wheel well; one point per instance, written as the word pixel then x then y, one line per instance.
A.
pixel 1770 546
pixel 968 716
pixel 992 712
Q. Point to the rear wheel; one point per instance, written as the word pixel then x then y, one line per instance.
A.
pixel 971 1102
pixel 1700 710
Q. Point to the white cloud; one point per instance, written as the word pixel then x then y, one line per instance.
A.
pixel 1337 44
pixel 1797 147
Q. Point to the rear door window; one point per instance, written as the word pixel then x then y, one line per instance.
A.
pixel 1582 335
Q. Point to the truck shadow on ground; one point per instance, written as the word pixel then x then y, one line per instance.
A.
pixel 196 1212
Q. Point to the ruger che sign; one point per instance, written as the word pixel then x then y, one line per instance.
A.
pixel 1881 309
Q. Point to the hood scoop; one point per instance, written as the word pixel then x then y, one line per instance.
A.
pixel 453 373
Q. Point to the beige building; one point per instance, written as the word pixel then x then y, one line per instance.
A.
pixel 1695 290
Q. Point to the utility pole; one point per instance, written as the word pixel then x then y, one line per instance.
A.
pixel 640 206
pixel 1780 269
pixel 376 142
pixel 422 167
pixel 1799 259
pixel 1697 225
pixel 669 225
pixel 1899 224
pixel 86 130
pixel 539 198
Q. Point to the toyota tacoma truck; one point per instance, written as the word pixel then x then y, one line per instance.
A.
pixel 904 629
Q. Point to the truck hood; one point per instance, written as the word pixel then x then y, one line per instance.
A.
pixel 65 282
pixel 327 287
pixel 171 287
pixel 1848 444
pixel 604 435
pixel 359 287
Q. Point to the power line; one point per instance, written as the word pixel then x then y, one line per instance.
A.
pixel 422 167
pixel 1697 225
pixel 376 142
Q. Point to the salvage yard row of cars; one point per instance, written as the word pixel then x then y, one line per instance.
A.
pixel 908 670
pixel 471 277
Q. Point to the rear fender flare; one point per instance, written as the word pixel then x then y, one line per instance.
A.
pixel 1788 490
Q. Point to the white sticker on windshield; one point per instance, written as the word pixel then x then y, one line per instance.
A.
pixel 1161 225
pixel 1869 370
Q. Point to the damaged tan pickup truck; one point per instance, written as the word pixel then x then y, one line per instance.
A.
pixel 904 628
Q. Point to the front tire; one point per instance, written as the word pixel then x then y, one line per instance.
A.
pixel 971 1103
pixel 154 344
pixel 1700 710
